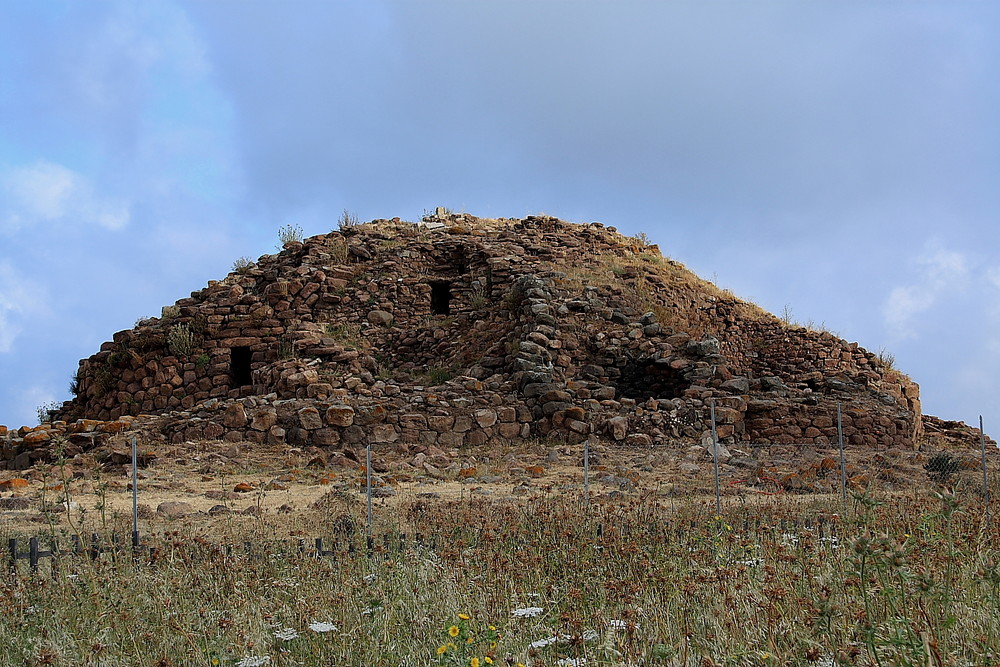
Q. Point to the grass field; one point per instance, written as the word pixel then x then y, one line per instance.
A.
pixel 911 580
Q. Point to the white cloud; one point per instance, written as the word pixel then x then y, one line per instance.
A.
pixel 943 272
pixel 18 297
pixel 46 192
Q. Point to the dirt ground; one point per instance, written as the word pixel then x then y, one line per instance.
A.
pixel 208 487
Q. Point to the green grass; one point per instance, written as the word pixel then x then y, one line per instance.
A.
pixel 907 581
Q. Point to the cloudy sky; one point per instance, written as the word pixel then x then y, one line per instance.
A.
pixel 839 158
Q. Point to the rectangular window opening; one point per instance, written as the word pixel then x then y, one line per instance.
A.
pixel 441 298
pixel 239 366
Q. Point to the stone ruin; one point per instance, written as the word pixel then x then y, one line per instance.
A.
pixel 458 331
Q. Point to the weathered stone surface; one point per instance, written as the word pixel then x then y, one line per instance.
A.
pixel 340 415
pixel 617 427
pixel 174 509
pixel 235 417
pixel 310 419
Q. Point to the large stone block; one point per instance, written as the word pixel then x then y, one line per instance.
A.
pixel 340 415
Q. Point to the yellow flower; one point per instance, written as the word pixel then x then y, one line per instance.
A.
pixel 469 640
pixel 488 660
pixel 453 631
pixel 442 650
pixel 464 617
pixel 474 662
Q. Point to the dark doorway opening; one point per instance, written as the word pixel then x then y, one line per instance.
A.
pixel 239 366
pixel 441 298
pixel 647 378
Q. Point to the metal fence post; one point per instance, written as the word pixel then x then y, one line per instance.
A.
pixel 843 467
pixel 715 457
pixel 135 493
pixel 368 472
pixel 586 474
pixel 986 479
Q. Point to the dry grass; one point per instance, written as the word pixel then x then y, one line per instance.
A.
pixel 642 581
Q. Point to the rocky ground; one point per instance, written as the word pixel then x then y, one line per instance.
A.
pixel 210 485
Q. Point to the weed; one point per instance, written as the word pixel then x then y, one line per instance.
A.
pixel 347 220
pixel 180 340
pixel 290 234
pixel 45 411
pixel 242 264
pixel 886 358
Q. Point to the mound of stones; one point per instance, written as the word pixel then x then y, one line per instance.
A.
pixel 458 331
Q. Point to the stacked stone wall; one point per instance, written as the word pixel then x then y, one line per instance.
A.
pixel 576 329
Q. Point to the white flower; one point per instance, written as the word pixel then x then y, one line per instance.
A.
pixel 571 662
pixel 321 626
pixel 254 661
pixel 527 612
pixel 621 625
pixel 542 643
pixel 288 634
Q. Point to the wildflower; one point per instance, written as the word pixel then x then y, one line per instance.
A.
pixel 571 662
pixel 441 650
pixel 320 626
pixel 254 661
pixel 542 643
pixel 527 612
pixel 474 662
pixel 288 634
pixel 453 631
pixel 488 660
pixel 464 617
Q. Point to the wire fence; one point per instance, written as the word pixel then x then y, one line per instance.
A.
pixel 728 473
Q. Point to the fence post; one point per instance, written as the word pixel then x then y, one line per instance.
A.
pixel 843 467
pixel 135 494
pixel 368 472
pixel 33 553
pixel 715 457
pixel 586 474
pixel 986 479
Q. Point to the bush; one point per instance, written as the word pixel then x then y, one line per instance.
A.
pixel 180 340
pixel 290 234
pixel 242 264
pixel 347 220
pixel 941 467
pixel 45 410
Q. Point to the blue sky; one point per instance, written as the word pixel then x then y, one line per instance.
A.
pixel 841 158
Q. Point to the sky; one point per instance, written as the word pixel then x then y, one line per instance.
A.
pixel 835 160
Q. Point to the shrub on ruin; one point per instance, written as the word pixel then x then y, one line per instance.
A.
pixel 886 358
pixel 438 375
pixel 338 249
pixel 180 340
pixel 290 234
pixel 170 312
pixel 347 220
pixel 242 264
pixel 478 297
pixel 46 410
